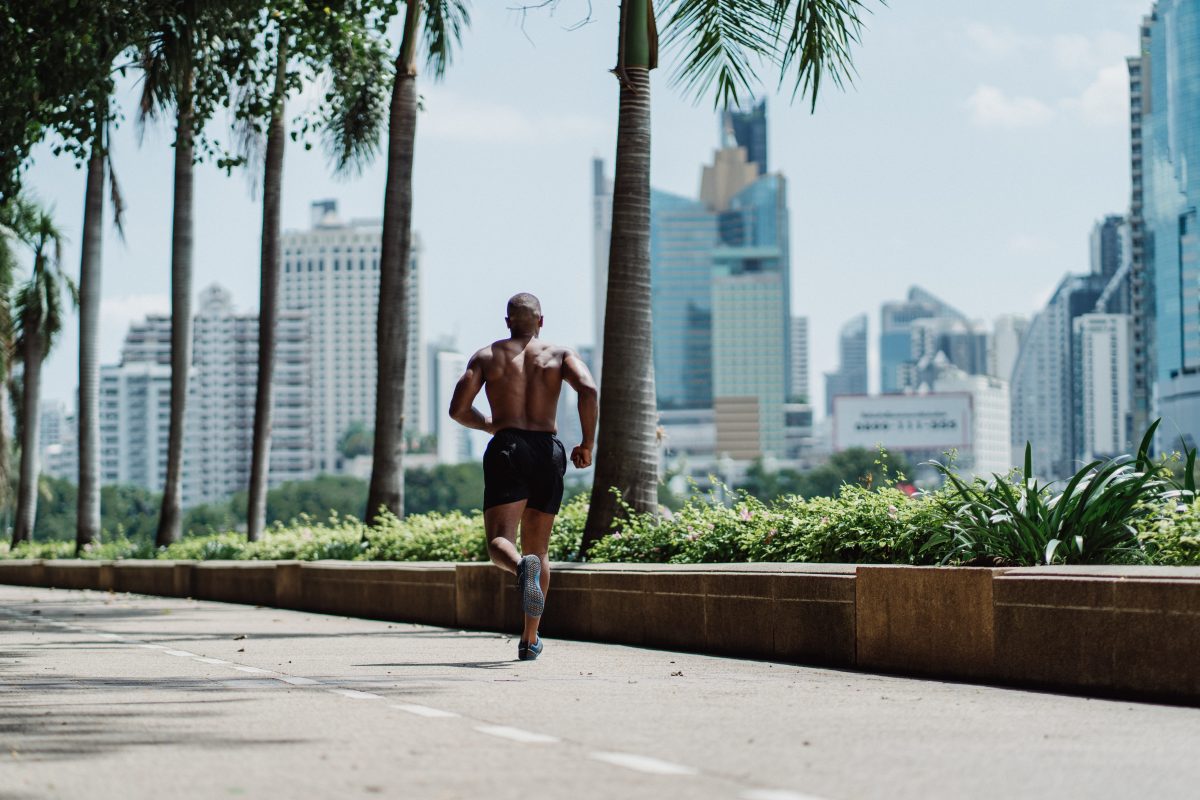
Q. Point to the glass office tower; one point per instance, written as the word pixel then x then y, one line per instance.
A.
pixel 1170 109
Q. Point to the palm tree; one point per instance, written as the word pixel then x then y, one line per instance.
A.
pixel 441 22
pixel 721 42
pixel 336 40
pixel 39 312
pixel 181 70
pixel 15 219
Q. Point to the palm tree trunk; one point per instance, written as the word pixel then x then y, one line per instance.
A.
pixel 391 335
pixel 627 447
pixel 260 459
pixel 27 492
pixel 170 518
pixel 87 528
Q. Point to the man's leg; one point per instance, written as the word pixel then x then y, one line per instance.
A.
pixel 535 540
pixel 500 524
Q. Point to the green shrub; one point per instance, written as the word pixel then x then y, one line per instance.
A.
pixel 1093 520
pixel 1172 536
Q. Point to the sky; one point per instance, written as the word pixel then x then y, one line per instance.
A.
pixel 976 148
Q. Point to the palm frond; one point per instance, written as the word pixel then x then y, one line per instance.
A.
pixel 444 23
pixel 816 39
pixel 357 103
pixel 722 42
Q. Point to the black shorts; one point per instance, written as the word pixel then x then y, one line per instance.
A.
pixel 524 465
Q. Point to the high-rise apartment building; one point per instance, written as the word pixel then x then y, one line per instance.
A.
pixel 331 272
pixel 1102 366
pixel 1141 285
pixel 221 396
pixel 798 386
pixel 850 379
pixel 453 440
pixel 1045 387
pixel 219 423
pixel 1169 105
pixel 56 441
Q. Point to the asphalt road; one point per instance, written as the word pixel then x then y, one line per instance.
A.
pixel 119 696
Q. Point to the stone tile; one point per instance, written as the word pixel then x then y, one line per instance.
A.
pixel 925 620
pixel 618 605
pixel 1157 653
pixel 1055 647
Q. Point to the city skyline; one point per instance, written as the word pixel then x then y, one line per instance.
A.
pixel 1051 111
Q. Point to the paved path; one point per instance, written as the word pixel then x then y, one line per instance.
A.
pixel 117 696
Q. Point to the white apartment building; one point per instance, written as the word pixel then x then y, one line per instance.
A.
pixel 1106 383
pixel 135 408
pixel 56 441
pixel 218 429
pixel 331 272
pixel 453 440
pixel 799 387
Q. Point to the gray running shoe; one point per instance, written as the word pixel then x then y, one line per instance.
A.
pixel 529 573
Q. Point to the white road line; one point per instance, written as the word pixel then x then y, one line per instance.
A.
pixel 296 680
pixel 112 636
pixel 425 711
pixel 180 653
pixel 207 660
pixel 355 694
pixel 776 794
pixel 651 766
pixel 254 670
pixel 516 734
pixel 152 646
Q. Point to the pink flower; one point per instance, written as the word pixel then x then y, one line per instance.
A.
pixel 893 512
pixel 617 535
pixel 747 515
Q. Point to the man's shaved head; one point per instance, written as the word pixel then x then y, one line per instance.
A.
pixel 524 313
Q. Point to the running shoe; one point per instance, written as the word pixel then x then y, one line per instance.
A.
pixel 529 573
pixel 529 652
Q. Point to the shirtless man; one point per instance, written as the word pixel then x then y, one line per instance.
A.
pixel 524 464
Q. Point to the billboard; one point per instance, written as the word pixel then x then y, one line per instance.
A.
pixel 926 422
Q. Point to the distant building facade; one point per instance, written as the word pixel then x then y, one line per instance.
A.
pixel 331 273
pixel 1168 96
pixel 850 379
pixel 1103 364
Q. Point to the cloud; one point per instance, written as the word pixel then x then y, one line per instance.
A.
pixel 1105 101
pixel 994 42
pixel 992 108
pixel 457 118
pixel 1079 53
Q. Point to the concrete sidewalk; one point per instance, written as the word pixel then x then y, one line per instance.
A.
pixel 121 696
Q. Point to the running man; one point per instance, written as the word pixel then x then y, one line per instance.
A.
pixel 524 464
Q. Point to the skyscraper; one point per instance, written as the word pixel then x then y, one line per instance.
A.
pixel 851 376
pixel 1045 388
pixel 1170 109
pixel 903 342
pixel 798 388
pixel 1141 285
pixel 1102 365
pixel 747 128
pixel 331 272
pixel 1008 333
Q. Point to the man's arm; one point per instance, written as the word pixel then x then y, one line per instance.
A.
pixel 462 409
pixel 576 374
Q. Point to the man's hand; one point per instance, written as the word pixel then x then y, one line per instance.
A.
pixel 581 456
